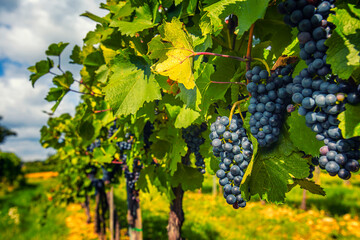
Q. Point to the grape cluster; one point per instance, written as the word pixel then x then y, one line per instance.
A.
pixel 148 130
pixel 131 180
pixel 112 130
pixel 268 102
pixel 133 177
pixel 231 144
pixel 311 170
pixel 126 145
pixel 94 145
pixel 193 139
pixel 321 100
pixel 314 29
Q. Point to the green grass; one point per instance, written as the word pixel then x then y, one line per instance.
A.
pixel 206 216
pixel 32 217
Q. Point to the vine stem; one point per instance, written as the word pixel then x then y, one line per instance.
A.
pixel 104 110
pixel 86 86
pixel 248 52
pixel 240 83
pixel 265 64
pixel 233 110
pixel 237 104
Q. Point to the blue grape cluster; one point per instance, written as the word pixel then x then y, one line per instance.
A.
pixel 193 139
pixel 126 145
pixel 148 130
pixel 131 180
pixel 314 29
pixel 320 100
pixel 112 130
pixel 268 102
pixel 93 145
pixel 231 144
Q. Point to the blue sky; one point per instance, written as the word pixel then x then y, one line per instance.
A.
pixel 27 28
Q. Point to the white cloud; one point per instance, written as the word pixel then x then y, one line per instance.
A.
pixel 27 27
pixel 27 30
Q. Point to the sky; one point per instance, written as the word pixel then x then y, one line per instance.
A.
pixel 27 28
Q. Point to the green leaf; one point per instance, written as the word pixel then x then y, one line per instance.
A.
pixel 350 121
pixel 129 88
pixel 102 74
pixel 302 136
pixel 40 69
pixel 176 153
pixel 186 117
pixel 86 130
pixel 76 55
pixel 247 11
pixel 142 21
pixel 344 43
pixel 273 30
pixel 270 171
pixel 189 178
pixel 94 59
pixel 188 96
pixel 157 47
pixel 307 185
pixel 56 49
pixel 94 17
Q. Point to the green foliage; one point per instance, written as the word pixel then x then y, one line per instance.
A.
pixel 302 136
pixel 350 121
pixel 5 132
pixel 308 185
pixel 169 65
pixel 10 170
pixel 344 44
pixel 272 169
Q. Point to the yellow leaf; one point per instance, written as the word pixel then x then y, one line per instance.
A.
pixel 177 63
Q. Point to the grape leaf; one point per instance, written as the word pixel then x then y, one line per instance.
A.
pixel 188 96
pixel 189 178
pixel 177 63
pixel 40 69
pixel 142 21
pixel 129 88
pixel 186 117
pixel 76 55
pixel 94 59
pixel 350 121
pixel 308 185
pixel 302 136
pixel 56 49
pixel 176 153
pixel 63 83
pixel 272 168
pixel 247 11
pixel 273 29
pixel 344 43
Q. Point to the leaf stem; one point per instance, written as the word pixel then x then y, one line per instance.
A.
pixel 233 110
pixel 240 83
pixel 265 64
pixel 100 111
pixel 220 55
pixel 59 66
pixel 86 86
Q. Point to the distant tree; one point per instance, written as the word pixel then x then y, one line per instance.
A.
pixel 5 132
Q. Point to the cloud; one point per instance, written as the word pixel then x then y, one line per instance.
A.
pixel 8 5
pixel 27 28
